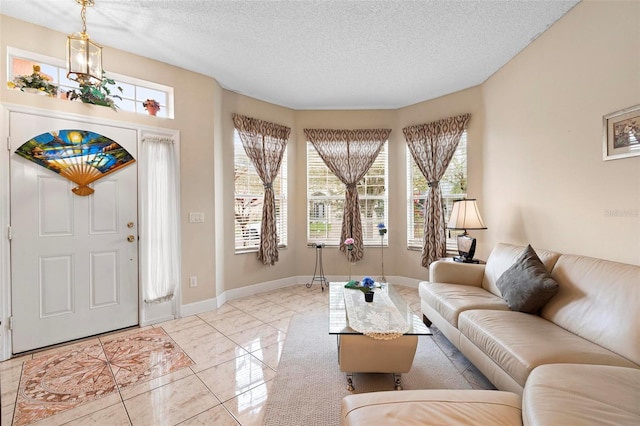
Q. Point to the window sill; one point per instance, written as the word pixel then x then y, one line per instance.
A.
pixel 254 250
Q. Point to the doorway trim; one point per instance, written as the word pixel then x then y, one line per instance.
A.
pixel 147 314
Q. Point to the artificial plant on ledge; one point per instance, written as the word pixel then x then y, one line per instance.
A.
pixel 37 81
pixel 99 94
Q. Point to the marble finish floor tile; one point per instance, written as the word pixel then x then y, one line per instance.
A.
pixel 249 408
pixel 232 378
pixel 143 387
pixel 14 362
pixel 234 323
pixel 6 414
pixel 113 415
pixel 218 416
pixel 180 324
pixel 223 374
pixel 212 351
pixel 143 356
pixel 9 382
pixel 171 404
pixel 272 313
pixel 251 303
pixel 84 410
pixel 258 337
pixel 270 355
pixel 281 324
pixel 220 313
pixel 59 381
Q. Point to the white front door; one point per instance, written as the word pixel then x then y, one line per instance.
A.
pixel 74 259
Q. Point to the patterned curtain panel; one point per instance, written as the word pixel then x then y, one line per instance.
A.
pixel 349 154
pixel 264 143
pixel 432 146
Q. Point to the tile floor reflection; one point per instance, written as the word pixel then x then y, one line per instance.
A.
pixel 213 368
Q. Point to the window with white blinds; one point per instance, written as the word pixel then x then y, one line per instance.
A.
pixel 325 200
pixel 249 196
pixel 453 186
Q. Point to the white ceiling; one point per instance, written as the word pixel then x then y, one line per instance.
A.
pixel 315 54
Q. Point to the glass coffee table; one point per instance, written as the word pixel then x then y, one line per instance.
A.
pixel 358 353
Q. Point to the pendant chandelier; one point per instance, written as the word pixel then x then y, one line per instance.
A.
pixel 84 57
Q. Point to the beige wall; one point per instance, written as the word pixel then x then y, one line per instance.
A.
pixel 244 269
pixel 545 182
pixel 535 151
pixel 193 118
pixel 334 261
pixel 465 101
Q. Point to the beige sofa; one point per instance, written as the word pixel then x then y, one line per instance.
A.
pixel 580 356
pixel 555 394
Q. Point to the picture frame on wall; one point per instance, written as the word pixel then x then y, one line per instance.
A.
pixel 621 134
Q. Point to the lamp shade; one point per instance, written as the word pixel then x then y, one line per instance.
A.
pixel 465 215
pixel 84 59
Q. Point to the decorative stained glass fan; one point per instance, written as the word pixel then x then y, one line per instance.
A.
pixel 78 155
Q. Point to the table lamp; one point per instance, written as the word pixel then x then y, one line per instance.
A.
pixel 465 215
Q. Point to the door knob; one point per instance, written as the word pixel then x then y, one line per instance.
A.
pixel 131 238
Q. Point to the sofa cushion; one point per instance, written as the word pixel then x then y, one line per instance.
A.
pixel 520 342
pixel 451 299
pixel 578 394
pixel 527 285
pixel 598 300
pixel 432 407
pixel 505 255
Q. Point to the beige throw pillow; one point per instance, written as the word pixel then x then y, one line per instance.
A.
pixel 527 285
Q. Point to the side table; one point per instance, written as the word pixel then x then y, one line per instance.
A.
pixel 318 271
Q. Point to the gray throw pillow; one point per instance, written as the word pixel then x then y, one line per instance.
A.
pixel 527 285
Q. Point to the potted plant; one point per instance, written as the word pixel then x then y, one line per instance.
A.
pixel 152 106
pixel 37 82
pixel 99 94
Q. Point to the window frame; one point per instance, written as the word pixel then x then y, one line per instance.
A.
pixel 138 85
pixel 280 188
pixel 448 196
pixel 369 226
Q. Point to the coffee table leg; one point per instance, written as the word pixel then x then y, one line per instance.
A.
pixel 350 387
pixel 396 378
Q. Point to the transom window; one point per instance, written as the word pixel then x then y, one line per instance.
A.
pixel 249 196
pixel 325 200
pixel 134 91
pixel 453 186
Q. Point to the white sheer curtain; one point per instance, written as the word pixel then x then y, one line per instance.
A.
pixel 160 246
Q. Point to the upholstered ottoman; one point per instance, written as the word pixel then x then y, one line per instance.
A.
pixel 432 407
pixel 362 354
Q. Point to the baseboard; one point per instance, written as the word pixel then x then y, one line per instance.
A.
pixel 157 320
pixel 407 282
pixel 199 307
pixel 251 290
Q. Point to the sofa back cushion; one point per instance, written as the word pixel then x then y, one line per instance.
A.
pixel 505 255
pixel 598 300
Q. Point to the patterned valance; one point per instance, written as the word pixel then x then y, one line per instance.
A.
pixel 255 126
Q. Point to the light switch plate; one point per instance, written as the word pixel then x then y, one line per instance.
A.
pixel 196 217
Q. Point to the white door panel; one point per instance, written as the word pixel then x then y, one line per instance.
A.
pixel 74 272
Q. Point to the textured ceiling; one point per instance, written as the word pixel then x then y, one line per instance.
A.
pixel 315 54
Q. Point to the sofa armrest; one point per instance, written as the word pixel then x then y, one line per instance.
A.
pixel 443 271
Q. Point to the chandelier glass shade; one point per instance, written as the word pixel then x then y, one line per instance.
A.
pixel 84 57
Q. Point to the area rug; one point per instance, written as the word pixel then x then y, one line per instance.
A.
pixel 309 386
pixel 63 380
